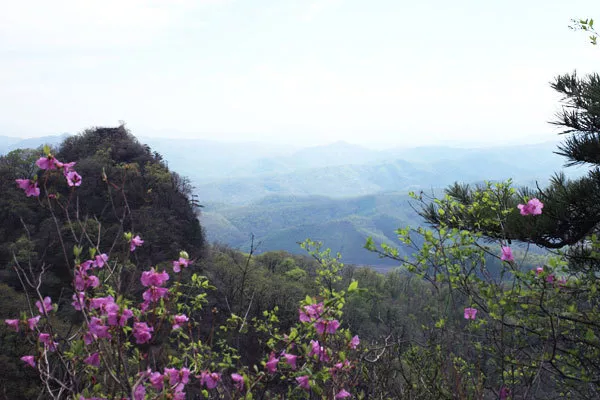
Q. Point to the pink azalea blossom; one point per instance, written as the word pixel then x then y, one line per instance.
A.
pixel 13 323
pixel 157 380
pixel 504 393
pixel 533 207
pixel 32 322
pixel 67 167
pixel 354 342
pixel 100 260
pixel 102 304
pixel 44 307
pixel 470 313
pixel 73 178
pixel 238 381
pixel 98 329
pixel 539 270
pixel 154 294
pixel 317 350
pixel 115 318
pixel 342 394
pixel 154 278
pixel 271 365
pixel 329 326
pixel 290 359
pixel 93 360
pixel 46 339
pixel 182 262
pixel 550 278
pixel 311 312
pixel 139 393
pixel 177 376
pixel 141 331
pixel 85 266
pixel 84 281
pixel 303 382
pixel 135 242
pixel 209 379
pixel 507 254
pixel 179 320
pixel 89 338
pixel 30 187
pixel 29 360
pixel 78 300
pixel 46 162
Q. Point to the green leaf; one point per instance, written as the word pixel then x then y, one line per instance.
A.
pixel 353 286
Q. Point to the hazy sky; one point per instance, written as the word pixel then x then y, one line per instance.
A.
pixel 299 71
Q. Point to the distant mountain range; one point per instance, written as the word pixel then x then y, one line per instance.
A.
pixel 279 222
pixel 8 143
pixel 339 193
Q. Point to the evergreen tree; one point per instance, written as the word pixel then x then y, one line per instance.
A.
pixel 572 206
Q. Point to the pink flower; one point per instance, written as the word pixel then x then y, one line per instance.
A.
pixel 67 167
pixel 154 278
pixel 182 262
pixel 178 376
pixel 30 187
pixel 179 320
pixel 135 242
pixel 342 394
pixel 154 294
pixel 84 281
pixel 89 338
pixel 44 307
pixel 311 312
pixel 100 260
pixel 504 393
pixel 141 331
pixel 139 393
pixel 98 329
pixel 507 254
pixel 78 300
pixel 290 359
pixel 13 323
pixel 238 381
pixel 93 360
pixel 46 339
pixel 73 178
pixel 550 278
pixel 32 322
pixel 29 360
pixel 210 379
pixel 271 365
pixel 46 162
pixel 533 207
pixel 354 342
pixel 114 318
pixel 157 380
pixel 303 382
pixel 327 326
pixel 318 350
pixel 102 304
pixel 470 313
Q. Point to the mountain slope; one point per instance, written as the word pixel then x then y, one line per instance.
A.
pixel 279 222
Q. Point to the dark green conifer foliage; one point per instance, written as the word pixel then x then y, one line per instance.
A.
pixel 572 207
